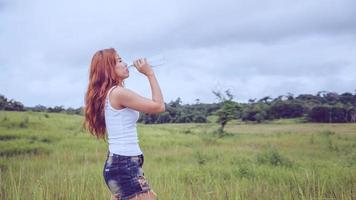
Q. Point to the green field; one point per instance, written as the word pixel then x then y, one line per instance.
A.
pixel 47 156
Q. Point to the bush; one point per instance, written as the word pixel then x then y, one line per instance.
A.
pixel 320 114
pixel 254 113
pixel 200 119
pixel 273 157
pixel 282 109
pixel 334 114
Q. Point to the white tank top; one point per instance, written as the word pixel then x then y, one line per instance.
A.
pixel 121 129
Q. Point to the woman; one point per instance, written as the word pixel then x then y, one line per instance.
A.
pixel 112 109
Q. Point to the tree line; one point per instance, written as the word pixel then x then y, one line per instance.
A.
pixel 324 106
pixel 12 105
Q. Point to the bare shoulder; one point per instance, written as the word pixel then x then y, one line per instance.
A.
pixel 115 97
pixel 116 91
pixel 120 92
pixel 124 97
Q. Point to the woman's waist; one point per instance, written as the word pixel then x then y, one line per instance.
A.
pixel 130 149
pixel 121 131
pixel 127 139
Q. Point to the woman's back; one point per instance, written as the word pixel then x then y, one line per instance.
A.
pixel 121 129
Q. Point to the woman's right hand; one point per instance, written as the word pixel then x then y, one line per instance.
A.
pixel 143 67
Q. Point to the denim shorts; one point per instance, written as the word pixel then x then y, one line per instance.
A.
pixel 124 175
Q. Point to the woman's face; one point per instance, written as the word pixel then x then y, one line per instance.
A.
pixel 121 68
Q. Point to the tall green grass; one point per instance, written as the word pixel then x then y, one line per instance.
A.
pixel 48 156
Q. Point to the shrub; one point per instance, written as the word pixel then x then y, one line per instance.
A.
pixel 273 157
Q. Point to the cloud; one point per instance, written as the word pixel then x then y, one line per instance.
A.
pixel 254 48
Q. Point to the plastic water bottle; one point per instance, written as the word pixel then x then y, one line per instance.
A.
pixel 153 61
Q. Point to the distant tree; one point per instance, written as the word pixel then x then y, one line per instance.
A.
pixel 164 118
pixel 148 118
pixel 80 111
pixel 347 98
pixel 255 112
pixel 14 106
pixel 320 114
pixel 228 111
pixel 186 118
pixel 266 99
pixel 286 109
pixel 73 111
pixel 330 114
pixel 200 118
pixel 56 109
pixel 39 108
pixel 338 114
pixel 331 98
pixel 252 100
pixel 176 103
pixel 321 93
pixel 3 102
pixel 310 98
pixel 309 101
pixel 212 108
pixel 279 98
pixel 352 115
pixel 290 96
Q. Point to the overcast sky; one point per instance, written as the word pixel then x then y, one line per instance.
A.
pixel 254 48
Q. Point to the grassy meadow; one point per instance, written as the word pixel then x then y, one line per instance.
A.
pixel 45 156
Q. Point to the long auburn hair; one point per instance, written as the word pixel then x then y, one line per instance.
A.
pixel 102 77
